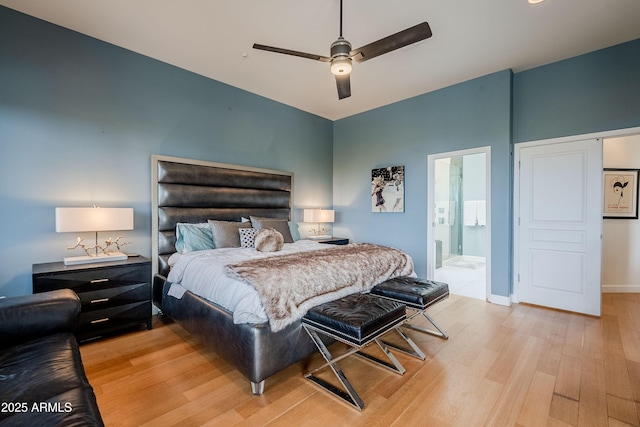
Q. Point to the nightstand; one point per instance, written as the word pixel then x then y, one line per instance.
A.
pixel 334 241
pixel 114 295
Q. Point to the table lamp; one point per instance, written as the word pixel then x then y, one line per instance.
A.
pixel 95 219
pixel 319 216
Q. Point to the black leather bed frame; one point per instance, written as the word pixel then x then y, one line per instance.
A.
pixel 193 191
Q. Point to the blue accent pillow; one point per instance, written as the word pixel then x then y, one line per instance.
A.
pixel 193 237
pixel 295 231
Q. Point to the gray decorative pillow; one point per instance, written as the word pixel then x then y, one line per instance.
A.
pixel 248 237
pixel 279 224
pixel 225 233
pixel 269 240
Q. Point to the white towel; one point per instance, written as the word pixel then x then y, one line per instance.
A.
pixel 481 212
pixel 470 213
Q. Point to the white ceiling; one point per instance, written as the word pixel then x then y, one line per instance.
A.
pixel 471 38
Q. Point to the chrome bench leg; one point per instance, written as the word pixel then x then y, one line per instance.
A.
pixel 413 351
pixel 351 396
pixel 441 332
pixel 394 366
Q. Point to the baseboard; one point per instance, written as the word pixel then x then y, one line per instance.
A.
pixel 620 289
pixel 500 300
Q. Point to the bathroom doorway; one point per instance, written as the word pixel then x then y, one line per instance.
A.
pixel 460 223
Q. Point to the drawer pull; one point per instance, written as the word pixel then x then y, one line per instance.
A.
pixel 96 301
pixel 100 320
pixel 99 280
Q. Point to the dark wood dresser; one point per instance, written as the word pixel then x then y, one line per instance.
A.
pixel 114 295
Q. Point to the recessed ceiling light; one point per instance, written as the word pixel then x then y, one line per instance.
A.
pixel 535 1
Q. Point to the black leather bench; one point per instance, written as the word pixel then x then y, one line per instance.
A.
pixel 418 295
pixel 356 320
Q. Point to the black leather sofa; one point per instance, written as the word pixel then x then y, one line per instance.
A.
pixel 42 379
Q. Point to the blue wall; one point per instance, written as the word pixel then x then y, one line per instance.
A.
pixel 472 114
pixel 80 119
pixel 595 92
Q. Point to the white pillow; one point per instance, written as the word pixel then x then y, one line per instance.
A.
pixel 248 237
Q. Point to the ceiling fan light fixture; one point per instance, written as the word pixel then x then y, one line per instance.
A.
pixel 340 60
pixel 341 66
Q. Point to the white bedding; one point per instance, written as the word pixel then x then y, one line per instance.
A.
pixel 202 273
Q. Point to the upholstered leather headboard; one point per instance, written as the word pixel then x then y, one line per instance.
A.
pixel 195 191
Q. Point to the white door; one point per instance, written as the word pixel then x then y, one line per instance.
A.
pixel 559 225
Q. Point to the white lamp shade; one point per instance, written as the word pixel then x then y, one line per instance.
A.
pixel 319 215
pixel 93 219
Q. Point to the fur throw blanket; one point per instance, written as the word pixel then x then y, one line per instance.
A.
pixel 291 284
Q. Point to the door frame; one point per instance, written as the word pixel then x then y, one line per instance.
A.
pixel 431 254
pixel 516 187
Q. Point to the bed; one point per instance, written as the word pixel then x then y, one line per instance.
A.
pixel 193 192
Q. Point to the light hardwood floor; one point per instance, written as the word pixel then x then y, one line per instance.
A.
pixel 502 366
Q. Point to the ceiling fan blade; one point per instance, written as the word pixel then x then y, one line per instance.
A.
pixel 395 41
pixel 344 86
pixel 291 52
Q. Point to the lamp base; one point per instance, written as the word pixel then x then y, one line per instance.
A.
pixel 320 237
pixel 86 259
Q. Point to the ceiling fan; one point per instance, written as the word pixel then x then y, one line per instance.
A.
pixel 342 55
